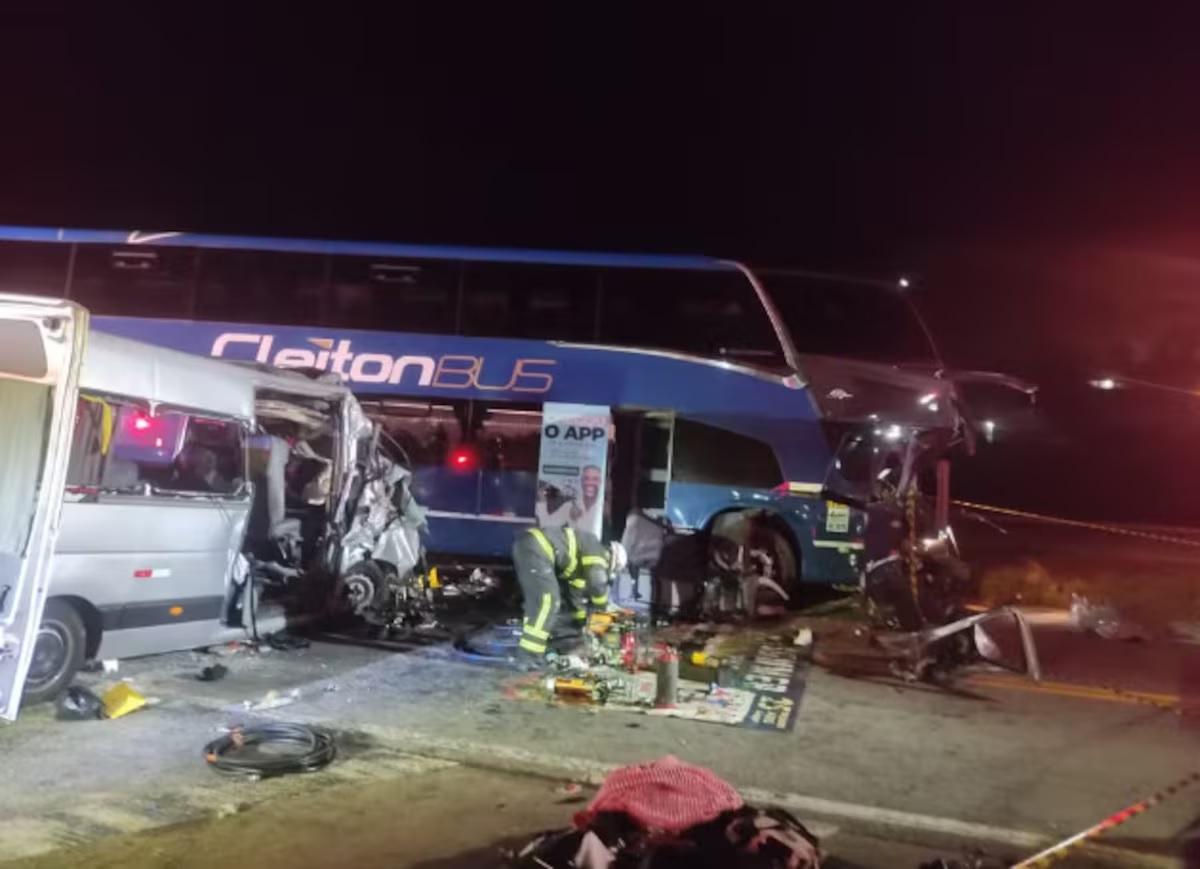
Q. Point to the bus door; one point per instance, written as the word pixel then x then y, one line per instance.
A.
pixel 640 472
pixel 41 343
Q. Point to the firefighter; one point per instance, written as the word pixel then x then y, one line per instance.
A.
pixel 544 557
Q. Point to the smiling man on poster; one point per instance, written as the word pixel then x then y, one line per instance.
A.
pixel 572 467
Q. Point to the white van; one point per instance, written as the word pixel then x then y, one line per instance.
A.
pixel 201 501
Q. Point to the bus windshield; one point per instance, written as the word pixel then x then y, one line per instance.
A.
pixel 835 316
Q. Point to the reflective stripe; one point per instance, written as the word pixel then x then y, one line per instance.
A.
pixel 579 615
pixel 536 633
pixel 537 535
pixel 600 600
pixel 594 561
pixel 572 551
pixel 532 646
pixel 544 612
pixel 577 583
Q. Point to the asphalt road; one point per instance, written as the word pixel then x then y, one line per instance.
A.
pixel 879 763
pixel 434 816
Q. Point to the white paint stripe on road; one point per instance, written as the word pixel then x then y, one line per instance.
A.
pixel 519 760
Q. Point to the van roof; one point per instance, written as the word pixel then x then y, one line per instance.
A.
pixel 130 368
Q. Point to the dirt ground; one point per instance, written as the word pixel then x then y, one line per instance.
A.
pixel 454 818
pixel 1153 585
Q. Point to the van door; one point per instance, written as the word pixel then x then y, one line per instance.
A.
pixel 41 347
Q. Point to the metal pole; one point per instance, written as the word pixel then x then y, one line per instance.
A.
pixel 942 505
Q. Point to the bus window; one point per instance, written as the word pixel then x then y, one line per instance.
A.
pixel 393 295
pixel 33 268
pixel 509 439
pixel 707 454
pixel 445 468
pixel 248 286
pixel 713 313
pixel 134 281
pixel 524 301
pixel 834 316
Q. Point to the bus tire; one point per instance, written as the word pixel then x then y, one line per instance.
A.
pixel 755 529
pixel 58 652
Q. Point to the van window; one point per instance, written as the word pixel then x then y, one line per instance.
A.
pixel 526 301
pixel 174 452
pixel 135 281
pixel 393 295
pixel 89 444
pixel 708 313
pixel 707 454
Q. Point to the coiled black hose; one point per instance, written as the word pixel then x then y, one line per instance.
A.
pixel 267 750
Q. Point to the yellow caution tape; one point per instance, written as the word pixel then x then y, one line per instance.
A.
pixel 1077 523
pixel 1056 852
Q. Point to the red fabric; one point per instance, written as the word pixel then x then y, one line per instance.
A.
pixel 667 795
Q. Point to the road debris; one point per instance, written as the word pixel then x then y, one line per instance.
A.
pixel 228 650
pixel 293 748
pixel 1103 620
pixel 284 642
pixel 706 821
pixel 272 700
pixel 120 700
pixel 77 704
pixel 213 673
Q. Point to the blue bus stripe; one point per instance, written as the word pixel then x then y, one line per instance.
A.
pixel 365 248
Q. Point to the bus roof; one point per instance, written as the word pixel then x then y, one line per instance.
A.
pixel 362 248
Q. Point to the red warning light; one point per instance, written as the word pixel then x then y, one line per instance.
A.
pixel 462 459
pixel 141 423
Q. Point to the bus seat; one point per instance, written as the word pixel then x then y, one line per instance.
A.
pixel 644 539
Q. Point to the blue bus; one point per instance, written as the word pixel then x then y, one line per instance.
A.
pixel 731 390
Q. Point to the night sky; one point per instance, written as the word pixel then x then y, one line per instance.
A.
pixel 1037 170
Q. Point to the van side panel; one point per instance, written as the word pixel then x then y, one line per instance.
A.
pixel 155 567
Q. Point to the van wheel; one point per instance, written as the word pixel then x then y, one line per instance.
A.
pixel 58 653
pixel 357 591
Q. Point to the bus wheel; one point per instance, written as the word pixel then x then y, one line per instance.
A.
pixel 58 653
pixel 765 549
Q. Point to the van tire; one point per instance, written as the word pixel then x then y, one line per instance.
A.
pixel 62 643
pixel 364 577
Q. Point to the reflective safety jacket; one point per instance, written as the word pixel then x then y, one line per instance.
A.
pixel 580 560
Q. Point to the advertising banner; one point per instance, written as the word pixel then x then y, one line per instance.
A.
pixel 573 466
